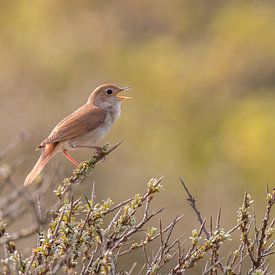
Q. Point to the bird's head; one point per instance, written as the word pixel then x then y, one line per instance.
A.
pixel 108 95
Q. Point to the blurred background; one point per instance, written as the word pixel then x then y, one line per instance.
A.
pixel 203 74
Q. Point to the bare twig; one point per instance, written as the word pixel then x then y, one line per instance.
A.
pixel 192 203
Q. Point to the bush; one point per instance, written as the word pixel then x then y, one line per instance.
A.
pixel 83 236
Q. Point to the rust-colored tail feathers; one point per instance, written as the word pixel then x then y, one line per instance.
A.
pixel 47 153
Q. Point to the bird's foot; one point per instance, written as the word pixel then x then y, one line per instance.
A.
pixel 99 149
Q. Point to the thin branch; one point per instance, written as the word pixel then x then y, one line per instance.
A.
pixel 192 203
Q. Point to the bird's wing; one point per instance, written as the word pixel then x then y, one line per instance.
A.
pixel 83 120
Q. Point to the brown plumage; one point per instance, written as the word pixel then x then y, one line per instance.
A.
pixel 83 128
pixel 46 155
pixel 85 119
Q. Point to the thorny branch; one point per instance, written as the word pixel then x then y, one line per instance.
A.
pixel 83 234
pixel 192 203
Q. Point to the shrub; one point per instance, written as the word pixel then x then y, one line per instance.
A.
pixel 83 236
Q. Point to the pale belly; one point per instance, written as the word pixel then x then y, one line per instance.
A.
pixel 90 139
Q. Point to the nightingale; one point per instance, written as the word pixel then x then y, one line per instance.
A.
pixel 84 128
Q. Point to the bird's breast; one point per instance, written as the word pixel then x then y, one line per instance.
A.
pixel 112 114
pixel 105 127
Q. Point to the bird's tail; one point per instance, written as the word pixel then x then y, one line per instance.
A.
pixel 47 153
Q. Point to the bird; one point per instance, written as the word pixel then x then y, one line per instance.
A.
pixel 84 128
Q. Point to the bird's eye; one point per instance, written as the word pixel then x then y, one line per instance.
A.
pixel 109 91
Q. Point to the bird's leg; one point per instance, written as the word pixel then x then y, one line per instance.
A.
pixel 70 158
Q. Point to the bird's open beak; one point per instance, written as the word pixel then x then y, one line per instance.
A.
pixel 122 97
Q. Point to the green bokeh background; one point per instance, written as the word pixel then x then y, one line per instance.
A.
pixel 203 74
